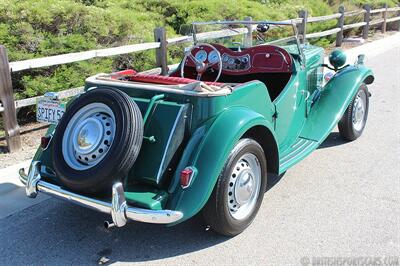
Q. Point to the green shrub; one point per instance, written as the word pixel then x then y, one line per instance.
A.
pixel 38 28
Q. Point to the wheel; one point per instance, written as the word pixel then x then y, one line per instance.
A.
pixel 239 190
pixel 97 141
pixel 353 121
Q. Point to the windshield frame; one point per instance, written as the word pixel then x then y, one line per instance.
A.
pixel 252 24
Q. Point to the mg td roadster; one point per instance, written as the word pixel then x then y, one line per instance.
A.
pixel 205 138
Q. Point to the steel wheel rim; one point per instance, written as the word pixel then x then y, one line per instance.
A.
pixel 88 136
pixel 244 186
pixel 358 112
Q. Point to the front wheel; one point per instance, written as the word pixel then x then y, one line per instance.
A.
pixel 353 121
pixel 239 191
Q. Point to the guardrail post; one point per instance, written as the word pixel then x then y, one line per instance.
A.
pixel 249 36
pixel 384 16
pixel 161 53
pixel 367 18
pixel 7 98
pixel 302 27
pixel 339 35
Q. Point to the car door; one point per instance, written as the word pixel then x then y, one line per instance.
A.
pixel 291 109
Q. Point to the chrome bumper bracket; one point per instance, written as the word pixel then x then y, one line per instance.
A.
pixel 32 180
pixel 118 205
pixel 120 211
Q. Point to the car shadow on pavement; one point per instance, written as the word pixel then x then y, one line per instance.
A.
pixel 63 233
pixel 7 187
pixel 334 139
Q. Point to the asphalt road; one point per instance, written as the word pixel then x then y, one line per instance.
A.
pixel 342 201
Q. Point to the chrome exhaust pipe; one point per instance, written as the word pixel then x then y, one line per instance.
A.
pixel 108 225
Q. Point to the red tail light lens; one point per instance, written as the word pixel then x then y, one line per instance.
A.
pixel 186 176
pixel 44 142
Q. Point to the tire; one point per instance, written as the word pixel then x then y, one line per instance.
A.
pixel 97 141
pixel 352 123
pixel 220 212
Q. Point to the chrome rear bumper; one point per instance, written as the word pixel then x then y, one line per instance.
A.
pixel 118 207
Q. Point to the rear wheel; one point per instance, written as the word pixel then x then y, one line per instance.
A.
pixel 239 191
pixel 353 121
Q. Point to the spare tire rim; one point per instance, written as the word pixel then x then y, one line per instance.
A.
pixel 244 186
pixel 88 136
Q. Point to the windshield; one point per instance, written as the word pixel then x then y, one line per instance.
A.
pixel 235 34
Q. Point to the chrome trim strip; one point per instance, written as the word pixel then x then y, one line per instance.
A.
pixel 120 211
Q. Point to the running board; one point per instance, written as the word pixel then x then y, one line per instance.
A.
pixel 300 149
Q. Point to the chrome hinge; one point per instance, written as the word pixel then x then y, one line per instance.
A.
pixel 275 115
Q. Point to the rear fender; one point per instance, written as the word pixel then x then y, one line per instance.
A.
pixel 209 157
pixel 335 98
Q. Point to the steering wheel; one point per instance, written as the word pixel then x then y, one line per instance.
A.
pixel 201 66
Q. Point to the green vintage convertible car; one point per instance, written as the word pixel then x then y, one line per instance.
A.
pixel 208 136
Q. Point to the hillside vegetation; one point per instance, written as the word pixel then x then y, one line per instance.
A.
pixel 38 28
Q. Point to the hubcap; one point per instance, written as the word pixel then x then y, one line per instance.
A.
pixel 244 186
pixel 358 111
pixel 90 133
pixel 88 136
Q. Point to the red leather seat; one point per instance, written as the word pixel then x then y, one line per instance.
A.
pixel 165 80
pixel 132 75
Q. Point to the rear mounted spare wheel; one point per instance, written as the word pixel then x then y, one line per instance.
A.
pixel 97 140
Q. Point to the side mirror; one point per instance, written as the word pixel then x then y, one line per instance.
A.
pixel 337 59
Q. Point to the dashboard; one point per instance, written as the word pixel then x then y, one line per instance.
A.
pixel 229 62
pixel 236 63
pixel 253 60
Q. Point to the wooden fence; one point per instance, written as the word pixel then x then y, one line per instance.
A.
pixel 161 44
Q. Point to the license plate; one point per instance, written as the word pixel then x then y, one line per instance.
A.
pixel 49 111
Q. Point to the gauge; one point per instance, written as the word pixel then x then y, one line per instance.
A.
pixel 225 58
pixel 213 57
pixel 201 56
pixel 231 61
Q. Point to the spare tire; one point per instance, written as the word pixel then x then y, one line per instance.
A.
pixel 97 140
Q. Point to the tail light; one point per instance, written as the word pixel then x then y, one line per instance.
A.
pixel 186 177
pixel 45 141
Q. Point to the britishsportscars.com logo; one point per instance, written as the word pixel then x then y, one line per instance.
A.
pixel 351 261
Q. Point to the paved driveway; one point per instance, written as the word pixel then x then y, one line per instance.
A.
pixel 342 201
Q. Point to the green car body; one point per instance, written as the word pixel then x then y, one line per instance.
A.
pixel 199 132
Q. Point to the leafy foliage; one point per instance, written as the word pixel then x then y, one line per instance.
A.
pixel 38 28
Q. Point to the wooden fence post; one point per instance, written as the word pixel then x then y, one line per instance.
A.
pixel 339 35
pixel 367 18
pixel 161 53
pixel 249 36
pixel 384 16
pixel 302 27
pixel 7 98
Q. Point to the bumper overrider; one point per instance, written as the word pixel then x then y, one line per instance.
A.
pixel 120 211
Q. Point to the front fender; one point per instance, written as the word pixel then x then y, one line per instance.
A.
pixel 210 156
pixel 335 98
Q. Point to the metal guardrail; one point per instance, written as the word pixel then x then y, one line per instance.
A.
pixel 161 44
